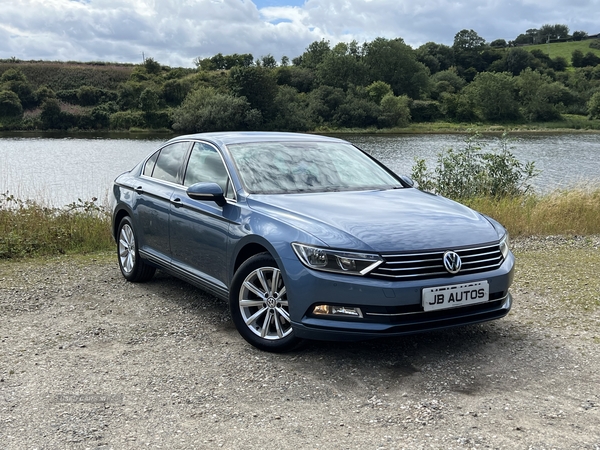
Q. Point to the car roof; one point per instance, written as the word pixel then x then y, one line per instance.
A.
pixel 239 137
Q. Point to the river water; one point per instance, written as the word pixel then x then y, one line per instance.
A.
pixel 58 170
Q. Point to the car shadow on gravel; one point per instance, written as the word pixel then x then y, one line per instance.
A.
pixel 468 360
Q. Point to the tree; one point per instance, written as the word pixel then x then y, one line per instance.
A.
pixel 268 61
pixel 43 93
pixel 129 94
pixel 395 111
pixel 377 90
pixel 339 68
pixel 395 63
pixel 258 85
pixel 224 62
pixel 468 40
pixel 499 43
pixel 88 95
pixel 468 46
pixel 14 80
pixel 174 91
pixel 10 105
pixel 315 54
pixel 207 110
pixel 590 60
pixel 518 59
pixel 357 112
pixel 152 67
pixel 458 107
pixel 300 78
pixel 292 109
pixel 436 57
pixel 559 64
pixel 450 77
pixel 577 58
pixel 324 102
pixel 149 100
pixel 579 35
pixel 557 31
pixel 593 106
pixel 535 92
pixel 493 96
pixel 51 115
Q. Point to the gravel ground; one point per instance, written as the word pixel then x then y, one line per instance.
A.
pixel 90 361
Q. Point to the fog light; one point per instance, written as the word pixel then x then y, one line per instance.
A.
pixel 331 310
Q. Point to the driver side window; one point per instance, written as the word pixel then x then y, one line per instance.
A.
pixel 205 165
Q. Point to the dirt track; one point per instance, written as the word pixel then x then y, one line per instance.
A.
pixel 90 361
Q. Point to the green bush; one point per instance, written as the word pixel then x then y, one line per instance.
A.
pixel 594 106
pixel 471 172
pixel 28 228
pixel 208 110
pixel 425 111
pixel 124 120
pixel 10 105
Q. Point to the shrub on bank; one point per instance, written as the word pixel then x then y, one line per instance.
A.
pixel 28 228
pixel 472 172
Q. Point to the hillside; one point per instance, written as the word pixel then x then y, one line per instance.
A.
pixel 60 76
pixel 565 49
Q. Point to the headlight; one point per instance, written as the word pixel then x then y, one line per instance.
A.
pixel 351 263
pixel 504 245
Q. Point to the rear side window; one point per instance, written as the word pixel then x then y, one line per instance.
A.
pixel 169 162
pixel 149 167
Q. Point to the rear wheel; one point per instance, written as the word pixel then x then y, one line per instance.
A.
pixel 259 305
pixel 132 266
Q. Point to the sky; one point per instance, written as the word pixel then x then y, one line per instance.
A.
pixel 175 32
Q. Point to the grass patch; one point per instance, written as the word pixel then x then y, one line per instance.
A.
pixel 28 228
pixel 571 212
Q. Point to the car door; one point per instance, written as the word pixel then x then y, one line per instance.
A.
pixel 161 174
pixel 199 229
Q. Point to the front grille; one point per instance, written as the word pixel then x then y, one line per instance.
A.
pixel 422 265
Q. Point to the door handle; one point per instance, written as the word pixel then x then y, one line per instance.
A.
pixel 177 202
pixel 139 190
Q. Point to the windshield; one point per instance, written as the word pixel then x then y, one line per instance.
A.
pixel 293 167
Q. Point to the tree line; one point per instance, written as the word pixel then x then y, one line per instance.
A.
pixel 384 83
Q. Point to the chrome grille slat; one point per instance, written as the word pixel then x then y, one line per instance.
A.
pixel 430 264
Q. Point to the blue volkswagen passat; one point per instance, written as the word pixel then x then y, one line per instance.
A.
pixel 307 237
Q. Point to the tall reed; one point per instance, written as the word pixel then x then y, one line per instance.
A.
pixel 572 212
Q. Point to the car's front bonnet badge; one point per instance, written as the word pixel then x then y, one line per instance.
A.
pixel 452 262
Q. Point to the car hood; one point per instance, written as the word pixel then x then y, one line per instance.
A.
pixel 381 221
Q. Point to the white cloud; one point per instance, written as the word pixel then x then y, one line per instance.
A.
pixel 174 32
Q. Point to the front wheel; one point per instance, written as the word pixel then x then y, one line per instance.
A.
pixel 132 266
pixel 259 306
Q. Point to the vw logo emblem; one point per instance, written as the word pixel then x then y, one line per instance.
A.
pixel 452 262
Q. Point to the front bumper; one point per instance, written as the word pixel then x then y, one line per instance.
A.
pixel 390 308
pixel 397 324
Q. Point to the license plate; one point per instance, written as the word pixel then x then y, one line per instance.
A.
pixel 444 297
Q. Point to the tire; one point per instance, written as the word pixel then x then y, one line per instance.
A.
pixel 132 266
pixel 259 311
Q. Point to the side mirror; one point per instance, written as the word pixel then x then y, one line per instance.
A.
pixel 407 181
pixel 207 192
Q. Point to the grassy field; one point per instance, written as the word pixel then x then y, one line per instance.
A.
pixel 564 49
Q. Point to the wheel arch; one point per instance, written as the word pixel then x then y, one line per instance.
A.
pixel 117 217
pixel 247 248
